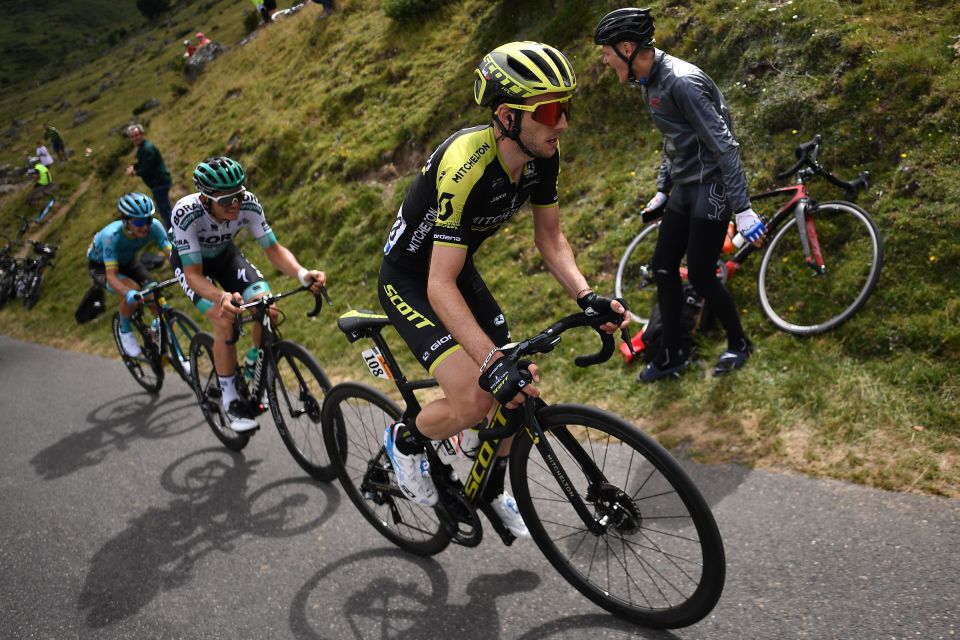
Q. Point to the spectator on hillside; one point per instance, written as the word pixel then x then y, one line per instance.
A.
pixel 44 155
pixel 190 49
pixel 202 40
pixel 52 134
pixel 266 9
pixel 151 167
pixel 43 181
pixel 327 8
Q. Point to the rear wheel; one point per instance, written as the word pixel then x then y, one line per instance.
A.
pixel 34 286
pixel 206 385
pixel 146 368
pixel 804 301
pixel 181 330
pixel 354 420
pixel 6 286
pixel 658 558
pixel 299 386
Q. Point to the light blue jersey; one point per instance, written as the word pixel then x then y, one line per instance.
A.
pixel 114 248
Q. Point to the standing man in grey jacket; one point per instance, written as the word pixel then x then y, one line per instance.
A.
pixel 702 173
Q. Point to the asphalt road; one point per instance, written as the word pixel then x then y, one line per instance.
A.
pixel 122 517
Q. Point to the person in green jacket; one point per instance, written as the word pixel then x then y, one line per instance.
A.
pixel 151 167
pixel 43 181
pixel 52 134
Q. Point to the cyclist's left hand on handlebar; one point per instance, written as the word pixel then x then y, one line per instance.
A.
pixel 612 310
pixel 751 226
pixel 131 296
pixel 510 381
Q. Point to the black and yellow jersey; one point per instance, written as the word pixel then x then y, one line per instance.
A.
pixel 462 196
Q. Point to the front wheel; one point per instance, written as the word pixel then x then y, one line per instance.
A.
pixel 146 368
pixel 6 286
pixel 206 385
pixel 296 397
pixel 804 301
pixel 658 558
pixel 354 420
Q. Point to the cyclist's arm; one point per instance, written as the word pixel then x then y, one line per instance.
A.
pixel 664 181
pixel 284 260
pixel 559 259
pixel 446 263
pixel 118 284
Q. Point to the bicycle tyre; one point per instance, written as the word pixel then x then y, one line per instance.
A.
pixel 354 420
pixel 6 286
pixel 634 282
pixel 182 329
pixel 800 302
pixel 306 385
pixel 661 532
pixel 206 386
pixel 146 369
pixel 33 292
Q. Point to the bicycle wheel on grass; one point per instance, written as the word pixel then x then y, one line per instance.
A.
pixel 634 282
pixel 799 300
pixel 177 339
pixel 659 561
pixel 354 419
pixel 296 397
pixel 146 368
pixel 206 385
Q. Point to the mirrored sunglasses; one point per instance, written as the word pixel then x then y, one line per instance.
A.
pixel 230 199
pixel 547 112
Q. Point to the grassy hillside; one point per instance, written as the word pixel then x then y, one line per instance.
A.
pixel 332 118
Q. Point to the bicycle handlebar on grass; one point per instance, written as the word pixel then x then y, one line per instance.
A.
pixel 807 161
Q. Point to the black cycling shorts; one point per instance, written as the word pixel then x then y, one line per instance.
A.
pixel 133 270
pixel 700 201
pixel 230 269
pixel 403 296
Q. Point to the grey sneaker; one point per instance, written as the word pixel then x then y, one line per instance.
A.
pixel 412 471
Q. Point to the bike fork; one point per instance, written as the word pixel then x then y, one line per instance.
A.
pixel 808 237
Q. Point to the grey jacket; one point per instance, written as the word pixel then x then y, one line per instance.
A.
pixel 698 142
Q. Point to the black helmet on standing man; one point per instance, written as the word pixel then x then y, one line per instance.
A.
pixel 626 25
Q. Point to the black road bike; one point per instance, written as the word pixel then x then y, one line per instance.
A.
pixel 8 273
pixel 166 339
pixel 286 378
pixel 821 263
pixel 610 508
pixel 31 272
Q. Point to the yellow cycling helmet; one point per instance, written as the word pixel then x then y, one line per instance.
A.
pixel 519 70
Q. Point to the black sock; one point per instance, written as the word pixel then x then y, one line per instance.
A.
pixel 497 475
pixel 409 439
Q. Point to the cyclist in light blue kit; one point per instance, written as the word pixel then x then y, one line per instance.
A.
pixel 114 260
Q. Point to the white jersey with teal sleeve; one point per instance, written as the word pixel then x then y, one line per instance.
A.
pixel 197 235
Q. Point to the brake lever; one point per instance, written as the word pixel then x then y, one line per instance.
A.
pixel 318 302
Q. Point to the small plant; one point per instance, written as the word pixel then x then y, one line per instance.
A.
pixel 403 10
pixel 153 9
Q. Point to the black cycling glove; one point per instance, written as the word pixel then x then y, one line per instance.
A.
pixel 597 306
pixel 505 378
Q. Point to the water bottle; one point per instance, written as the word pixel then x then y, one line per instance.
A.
pixel 447 449
pixel 155 330
pixel 249 363
pixel 470 443
pixel 739 240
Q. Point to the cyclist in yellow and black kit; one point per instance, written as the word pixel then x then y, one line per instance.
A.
pixel 429 286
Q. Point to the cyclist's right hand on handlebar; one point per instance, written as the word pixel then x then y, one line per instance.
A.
pixel 131 296
pixel 750 225
pixel 610 310
pixel 230 303
pixel 507 379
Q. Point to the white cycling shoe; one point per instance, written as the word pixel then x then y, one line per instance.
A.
pixel 239 419
pixel 412 471
pixel 130 345
pixel 506 507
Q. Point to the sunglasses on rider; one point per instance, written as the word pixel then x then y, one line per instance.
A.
pixel 139 222
pixel 230 199
pixel 547 112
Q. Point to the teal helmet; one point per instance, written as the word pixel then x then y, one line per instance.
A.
pixel 218 174
pixel 135 205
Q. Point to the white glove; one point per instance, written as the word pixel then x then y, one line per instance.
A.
pixel 657 201
pixel 750 225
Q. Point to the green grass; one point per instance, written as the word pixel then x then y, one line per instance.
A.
pixel 333 118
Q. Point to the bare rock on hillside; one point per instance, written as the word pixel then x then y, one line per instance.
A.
pixel 199 60
pixel 152 103
pixel 82 116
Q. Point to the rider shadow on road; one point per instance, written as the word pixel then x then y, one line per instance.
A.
pixel 411 601
pixel 159 549
pixel 115 425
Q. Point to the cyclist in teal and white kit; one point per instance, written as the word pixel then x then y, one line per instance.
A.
pixel 114 261
pixel 204 227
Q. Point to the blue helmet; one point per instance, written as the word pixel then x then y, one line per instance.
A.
pixel 135 205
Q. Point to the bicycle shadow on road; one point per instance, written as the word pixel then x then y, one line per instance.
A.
pixel 409 600
pixel 211 510
pixel 115 425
